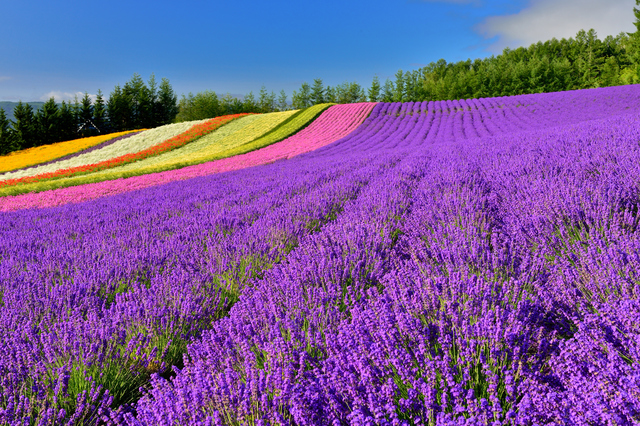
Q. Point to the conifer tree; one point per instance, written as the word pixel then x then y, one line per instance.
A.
pixel 85 116
pixel 48 123
pixel 99 113
pixel 25 126
pixel 249 103
pixel 119 110
pixel 398 92
pixel 66 122
pixel 374 90
pixel 75 109
pixel 137 94
pixel 330 95
pixel 7 140
pixel 387 91
pixel 267 101
pixel 153 107
pixel 302 98
pixel 167 103
pixel 283 105
pixel 317 92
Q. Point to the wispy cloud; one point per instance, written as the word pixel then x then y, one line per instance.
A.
pixel 545 19
pixel 65 96
pixel 4 78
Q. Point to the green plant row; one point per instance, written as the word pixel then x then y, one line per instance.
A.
pixel 290 126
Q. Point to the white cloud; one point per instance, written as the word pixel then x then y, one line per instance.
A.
pixel 545 19
pixel 65 96
pixel 4 78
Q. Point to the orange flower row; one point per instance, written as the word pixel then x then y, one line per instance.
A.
pixel 182 139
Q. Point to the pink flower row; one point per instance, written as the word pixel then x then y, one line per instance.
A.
pixel 333 124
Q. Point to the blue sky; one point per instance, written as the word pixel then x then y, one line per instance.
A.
pixel 67 47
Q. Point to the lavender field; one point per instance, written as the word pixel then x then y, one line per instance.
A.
pixel 469 262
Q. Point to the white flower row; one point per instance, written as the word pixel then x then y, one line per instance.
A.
pixel 201 143
pixel 133 144
pixel 236 133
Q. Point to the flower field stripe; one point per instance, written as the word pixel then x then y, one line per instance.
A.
pixel 178 141
pixel 42 154
pixel 90 149
pixel 119 331
pixel 133 144
pixel 290 125
pixel 335 123
pixel 231 135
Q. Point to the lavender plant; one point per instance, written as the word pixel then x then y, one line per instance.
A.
pixel 455 262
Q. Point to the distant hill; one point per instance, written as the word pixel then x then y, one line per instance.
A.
pixel 9 106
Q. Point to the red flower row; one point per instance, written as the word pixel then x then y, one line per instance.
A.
pixel 190 135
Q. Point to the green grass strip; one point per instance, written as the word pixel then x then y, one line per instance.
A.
pixel 290 126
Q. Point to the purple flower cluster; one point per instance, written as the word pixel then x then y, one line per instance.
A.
pixel 471 262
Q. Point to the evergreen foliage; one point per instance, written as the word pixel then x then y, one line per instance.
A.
pixel 85 117
pixel 317 92
pixel 99 113
pixel 133 106
pixel 282 104
pixel 7 140
pixel 302 98
pixel 374 90
pixel 25 126
pixel 47 123
pixel 167 106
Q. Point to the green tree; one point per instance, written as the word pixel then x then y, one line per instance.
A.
pixel 387 91
pixel 634 45
pixel 249 103
pixel 201 106
pixel 66 122
pixel 398 92
pixel 266 101
pixel 317 92
pixel 283 105
pixel 330 95
pixel 347 93
pixel 302 98
pixel 25 126
pixel 119 110
pixel 7 139
pixel 99 113
pixel 138 94
pixel 48 123
pixel 167 107
pixel 374 90
pixel 152 106
pixel 85 116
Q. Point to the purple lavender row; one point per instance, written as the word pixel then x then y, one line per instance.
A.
pixel 488 282
pixel 112 292
pixel 479 280
pixel 84 151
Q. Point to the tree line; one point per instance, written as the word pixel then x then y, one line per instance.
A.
pixel 135 105
pixel 582 62
pixel 555 65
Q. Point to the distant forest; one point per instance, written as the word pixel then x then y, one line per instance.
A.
pixel 136 105
pixel 582 62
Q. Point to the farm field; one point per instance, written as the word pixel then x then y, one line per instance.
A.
pixel 438 263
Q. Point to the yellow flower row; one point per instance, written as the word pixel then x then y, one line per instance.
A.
pixel 42 154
